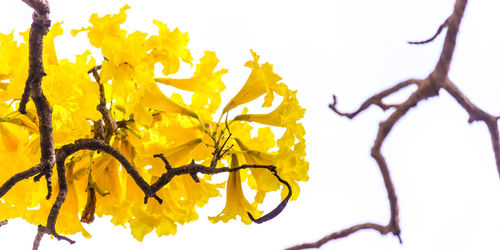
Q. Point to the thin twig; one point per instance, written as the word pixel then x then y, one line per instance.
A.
pixel 441 27
pixel 341 234
pixel 375 99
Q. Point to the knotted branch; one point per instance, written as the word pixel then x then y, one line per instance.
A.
pixel 110 125
pixel 426 88
pixel 33 88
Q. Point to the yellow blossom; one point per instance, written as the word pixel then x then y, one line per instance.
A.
pixel 285 115
pixel 169 47
pixel 236 203
pixel 105 27
pixel 205 80
pixel 262 80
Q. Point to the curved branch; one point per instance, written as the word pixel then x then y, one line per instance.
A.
pixel 276 210
pixel 93 144
pixel 477 114
pixel 441 27
pixel 375 99
pixel 341 234
pixel 19 177
pixel 193 169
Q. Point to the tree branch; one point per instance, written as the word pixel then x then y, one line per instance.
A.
pixel 33 87
pixel 427 88
pixel 341 234
pixel 376 99
pixel 441 27
pixel 109 123
pixel 193 169
pixel 19 177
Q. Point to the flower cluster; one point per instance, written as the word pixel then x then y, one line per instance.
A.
pixel 148 122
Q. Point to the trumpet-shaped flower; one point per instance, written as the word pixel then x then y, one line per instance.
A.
pixel 285 115
pixel 262 80
pixel 205 81
pixel 236 203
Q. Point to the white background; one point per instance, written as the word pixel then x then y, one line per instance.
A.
pixel 442 167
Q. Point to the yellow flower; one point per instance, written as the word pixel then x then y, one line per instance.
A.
pixel 263 181
pixel 168 47
pixel 150 96
pixel 105 27
pixel 291 164
pixel 72 110
pixel 285 115
pixel 13 66
pixel 205 80
pixel 262 80
pixel 49 49
pixel 127 64
pixel 236 203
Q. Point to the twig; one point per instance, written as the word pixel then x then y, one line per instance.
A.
pixel 441 27
pixel 341 234
pixel 3 222
pixel 376 99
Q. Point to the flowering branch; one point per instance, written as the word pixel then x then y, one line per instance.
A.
pixel 193 169
pixel 104 130
pixel 426 88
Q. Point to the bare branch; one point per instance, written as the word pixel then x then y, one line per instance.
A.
pixel 376 99
pixel 341 234
pixel 443 65
pixel 427 88
pixel 3 222
pixel 441 27
pixel 33 87
pixel 477 114
pixel 19 177
pixel 41 7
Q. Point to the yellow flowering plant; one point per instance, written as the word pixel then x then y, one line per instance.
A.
pixel 116 139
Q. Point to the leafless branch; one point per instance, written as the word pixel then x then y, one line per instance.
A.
pixel 33 88
pixel 341 234
pixel 19 177
pixel 427 88
pixel 441 27
pixel 376 99
pixel 41 7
